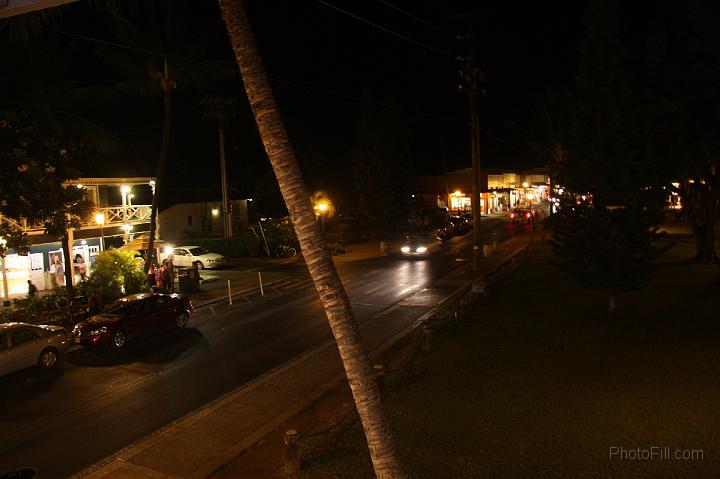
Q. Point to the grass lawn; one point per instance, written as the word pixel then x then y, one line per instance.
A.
pixel 537 381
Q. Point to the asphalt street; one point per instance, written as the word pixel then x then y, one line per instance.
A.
pixel 97 402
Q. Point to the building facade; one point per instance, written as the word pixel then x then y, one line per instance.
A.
pixel 500 190
pixel 184 220
pixel 122 211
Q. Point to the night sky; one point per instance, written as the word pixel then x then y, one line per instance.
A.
pixel 324 65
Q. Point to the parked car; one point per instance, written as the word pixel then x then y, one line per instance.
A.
pixel 521 215
pixel 445 232
pixel 136 316
pixel 419 244
pixel 23 345
pixel 461 225
pixel 189 255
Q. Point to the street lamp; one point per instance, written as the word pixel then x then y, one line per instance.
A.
pixel 124 190
pixel 100 220
pixel 3 253
pixel 323 207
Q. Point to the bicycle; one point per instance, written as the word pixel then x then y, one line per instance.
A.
pixel 284 251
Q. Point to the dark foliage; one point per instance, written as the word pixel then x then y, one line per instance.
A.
pixel 603 248
pixel 608 241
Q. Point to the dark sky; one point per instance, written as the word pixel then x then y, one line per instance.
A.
pixel 325 64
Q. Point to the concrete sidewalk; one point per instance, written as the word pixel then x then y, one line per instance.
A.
pixel 209 439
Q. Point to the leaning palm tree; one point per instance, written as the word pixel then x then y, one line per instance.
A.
pixel 334 299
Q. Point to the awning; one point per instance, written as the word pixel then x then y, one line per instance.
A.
pixel 142 243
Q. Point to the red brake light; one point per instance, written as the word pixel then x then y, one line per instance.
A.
pixel 512 215
pixel 527 215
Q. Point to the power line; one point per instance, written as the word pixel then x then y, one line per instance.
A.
pixel 233 69
pixel 274 79
pixel 135 49
pixel 424 22
pixel 386 30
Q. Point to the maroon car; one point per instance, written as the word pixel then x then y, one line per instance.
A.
pixel 135 316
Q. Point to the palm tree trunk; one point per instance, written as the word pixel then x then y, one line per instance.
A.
pixel 167 87
pixel 357 365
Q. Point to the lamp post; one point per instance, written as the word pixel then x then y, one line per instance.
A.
pixel 3 253
pixel 323 208
pixel 100 220
pixel 124 192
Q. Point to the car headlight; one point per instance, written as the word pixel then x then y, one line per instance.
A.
pixel 405 249
pixel 98 331
pixel 421 249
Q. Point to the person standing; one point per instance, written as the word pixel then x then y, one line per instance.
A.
pixel 32 290
pixel 171 275
pixel 151 278
pixel 93 304
pixel 167 277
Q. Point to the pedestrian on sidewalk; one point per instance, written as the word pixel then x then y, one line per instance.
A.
pixel 151 278
pixel 170 276
pixel 165 280
pixel 32 290
pixel 93 304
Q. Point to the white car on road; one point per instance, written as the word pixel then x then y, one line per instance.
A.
pixel 189 255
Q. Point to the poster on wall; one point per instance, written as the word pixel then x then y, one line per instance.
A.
pixel 36 261
pixel 57 268
pixel 80 262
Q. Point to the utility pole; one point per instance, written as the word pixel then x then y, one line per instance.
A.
pixel 445 175
pixel 470 76
pixel 221 108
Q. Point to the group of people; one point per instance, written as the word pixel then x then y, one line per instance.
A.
pixel 163 277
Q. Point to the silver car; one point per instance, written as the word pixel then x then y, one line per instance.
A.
pixel 23 345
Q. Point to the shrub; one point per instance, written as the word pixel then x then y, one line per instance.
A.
pixel 117 272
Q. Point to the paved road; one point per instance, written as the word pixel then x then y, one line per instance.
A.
pixel 97 402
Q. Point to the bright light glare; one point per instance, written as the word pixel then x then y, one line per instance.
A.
pixel 215 212
pixel 421 249
pixel 124 189
pixel 100 219
pixel 405 249
pixel 168 249
pixel 323 207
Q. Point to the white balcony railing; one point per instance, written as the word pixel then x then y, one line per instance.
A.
pixel 113 216
pixel 118 215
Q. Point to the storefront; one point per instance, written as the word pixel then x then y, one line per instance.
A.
pixel 44 265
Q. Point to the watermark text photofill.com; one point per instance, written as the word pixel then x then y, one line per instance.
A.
pixel 655 453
